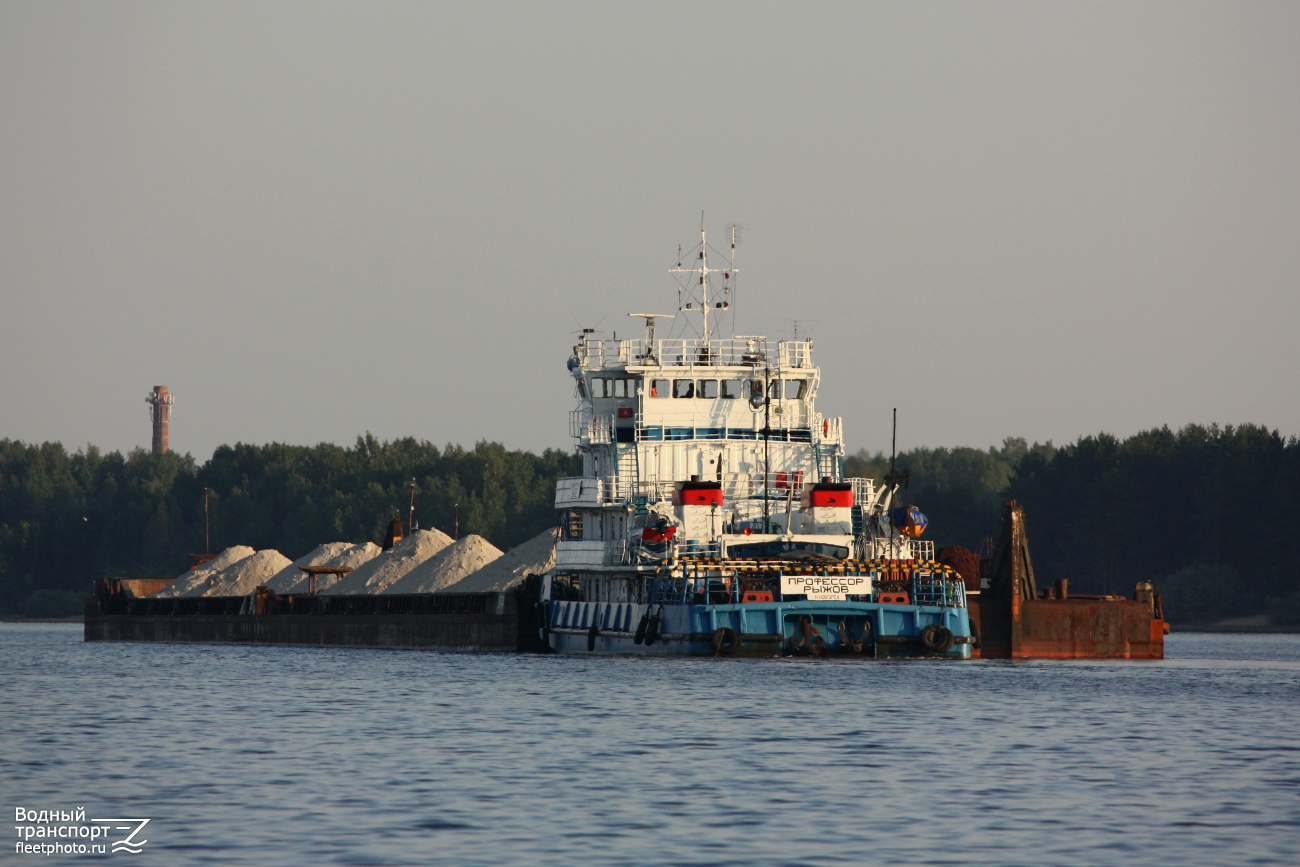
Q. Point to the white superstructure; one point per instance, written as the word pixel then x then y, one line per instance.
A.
pixel 696 444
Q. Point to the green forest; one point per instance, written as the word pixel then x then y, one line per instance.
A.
pixel 66 519
pixel 1208 513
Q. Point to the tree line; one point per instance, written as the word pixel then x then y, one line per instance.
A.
pixel 1208 513
pixel 68 518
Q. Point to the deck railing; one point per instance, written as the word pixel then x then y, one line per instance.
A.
pixel 694 352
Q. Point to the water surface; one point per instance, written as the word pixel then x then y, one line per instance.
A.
pixel 291 755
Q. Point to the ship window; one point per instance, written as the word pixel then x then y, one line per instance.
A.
pixel 774 388
pixel 625 388
pixel 732 388
pixel 795 388
pixel 658 388
pixel 707 389
pixel 600 387
pixel 683 388
pixel 572 525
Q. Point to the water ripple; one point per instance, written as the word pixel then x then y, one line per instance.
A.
pixel 294 755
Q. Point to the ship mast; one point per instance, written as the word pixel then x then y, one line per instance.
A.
pixel 704 271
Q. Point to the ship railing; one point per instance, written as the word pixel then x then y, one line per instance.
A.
pixel 597 429
pixel 578 421
pixel 827 429
pixel 694 352
pixel 660 427
pixel 864 491
pixel 933 588
pixel 579 491
pixel 926 588
pixel 735 487
pixel 792 427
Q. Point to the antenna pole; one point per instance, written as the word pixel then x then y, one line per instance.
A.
pixel 767 448
pixel 410 520
pixel 704 280
pixel 893 445
pixel 733 277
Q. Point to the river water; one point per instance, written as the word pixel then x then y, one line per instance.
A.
pixel 293 755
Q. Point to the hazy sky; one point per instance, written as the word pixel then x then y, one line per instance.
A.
pixel 313 220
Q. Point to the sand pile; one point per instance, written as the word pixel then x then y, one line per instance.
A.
pixel 240 579
pixel 349 558
pixel 357 555
pixel 533 557
pixel 195 581
pixel 459 559
pixel 377 574
pixel 291 575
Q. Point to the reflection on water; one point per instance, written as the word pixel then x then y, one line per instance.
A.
pixel 286 755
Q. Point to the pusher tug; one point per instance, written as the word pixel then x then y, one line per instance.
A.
pixel 713 516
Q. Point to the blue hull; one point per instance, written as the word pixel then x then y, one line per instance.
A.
pixel 756 629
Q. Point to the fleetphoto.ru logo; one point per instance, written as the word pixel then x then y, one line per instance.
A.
pixel 69 832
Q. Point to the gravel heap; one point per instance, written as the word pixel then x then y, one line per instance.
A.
pixel 459 559
pixel 378 573
pixel 242 578
pixel 357 555
pixel 533 557
pixel 290 576
pixel 195 581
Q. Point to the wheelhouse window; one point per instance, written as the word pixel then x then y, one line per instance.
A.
pixel 624 388
pixel 732 389
pixel 795 389
pixel 658 388
pixel 706 388
pixel 683 388
pixel 601 387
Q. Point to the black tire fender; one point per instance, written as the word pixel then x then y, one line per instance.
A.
pixel 937 638
pixel 591 636
pixel 726 640
pixel 642 627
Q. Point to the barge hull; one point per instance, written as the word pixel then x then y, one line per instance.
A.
pixel 1014 619
pixel 440 632
pixel 501 622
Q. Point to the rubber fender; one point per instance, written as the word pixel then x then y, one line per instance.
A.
pixel 652 628
pixel 937 638
pixel 591 636
pixel 975 634
pixel 726 640
pixel 641 627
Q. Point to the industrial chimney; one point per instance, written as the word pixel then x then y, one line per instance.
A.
pixel 160 412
